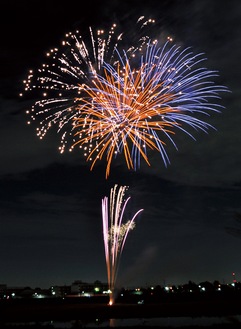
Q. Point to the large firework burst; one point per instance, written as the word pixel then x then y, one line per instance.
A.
pixel 115 231
pixel 115 100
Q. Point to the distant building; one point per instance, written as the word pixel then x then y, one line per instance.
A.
pixel 60 291
pixel 81 288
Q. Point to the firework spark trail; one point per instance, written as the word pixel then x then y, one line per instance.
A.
pixel 115 231
pixel 112 100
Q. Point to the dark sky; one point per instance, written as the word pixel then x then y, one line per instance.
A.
pixel 50 204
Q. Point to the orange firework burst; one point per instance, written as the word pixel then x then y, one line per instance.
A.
pixel 119 114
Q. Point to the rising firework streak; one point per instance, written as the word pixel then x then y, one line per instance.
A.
pixel 115 231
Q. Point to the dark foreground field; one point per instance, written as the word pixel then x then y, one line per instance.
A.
pixel 30 313
pixel 40 326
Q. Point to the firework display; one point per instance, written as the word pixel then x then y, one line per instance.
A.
pixel 115 231
pixel 63 81
pixel 113 99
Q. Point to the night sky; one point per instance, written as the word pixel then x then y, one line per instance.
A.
pixel 50 203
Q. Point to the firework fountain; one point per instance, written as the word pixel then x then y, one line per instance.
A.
pixel 115 231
